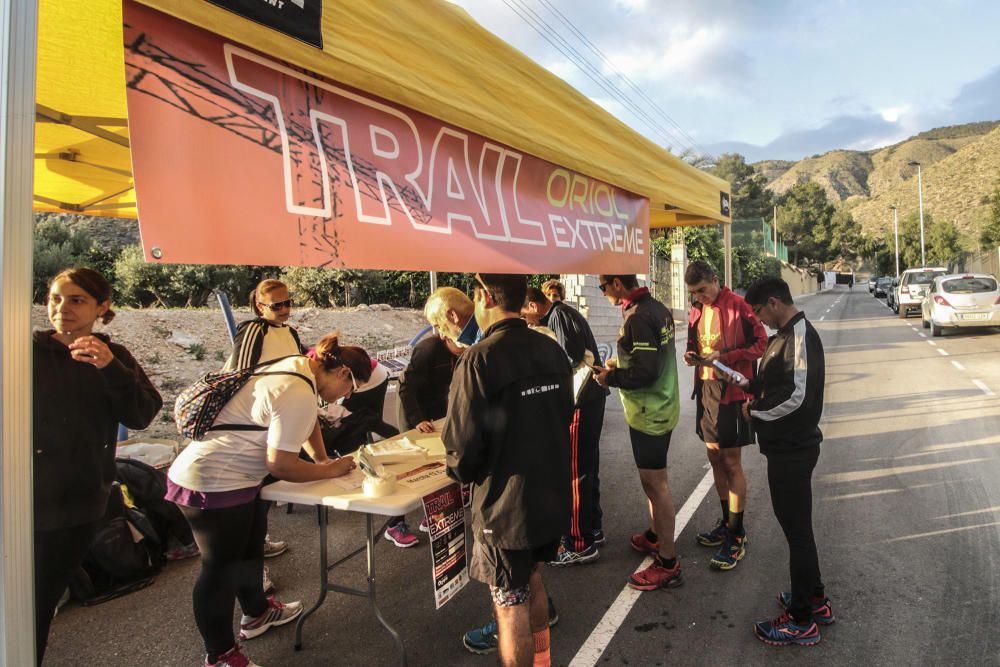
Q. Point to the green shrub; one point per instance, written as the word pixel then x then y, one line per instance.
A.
pixel 57 247
pixel 140 283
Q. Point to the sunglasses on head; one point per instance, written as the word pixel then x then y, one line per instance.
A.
pixel 479 284
pixel 278 305
pixel 353 381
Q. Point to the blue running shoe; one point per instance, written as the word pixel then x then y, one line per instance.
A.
pixel 482 641
pixel 730 553
pixel 822 610
pixel 714 537
pixel 783 631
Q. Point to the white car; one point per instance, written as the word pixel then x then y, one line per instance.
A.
pixel 913 285
pixel 961 300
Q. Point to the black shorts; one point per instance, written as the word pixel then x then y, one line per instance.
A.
pixel 649 451
pixel 718 422
pixel 508 569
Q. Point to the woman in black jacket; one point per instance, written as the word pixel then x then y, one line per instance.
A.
pixel 84 386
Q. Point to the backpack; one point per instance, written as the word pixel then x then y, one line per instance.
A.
pixel 198 406
pixel 116 564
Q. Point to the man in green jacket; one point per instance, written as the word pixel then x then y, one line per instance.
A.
pixel 645 372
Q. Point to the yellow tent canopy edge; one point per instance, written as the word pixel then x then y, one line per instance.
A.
pixel 428 55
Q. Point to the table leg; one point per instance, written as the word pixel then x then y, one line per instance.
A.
pixel 371 594
pixel 323 513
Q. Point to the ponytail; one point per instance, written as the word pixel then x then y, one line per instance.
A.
pixel 332 355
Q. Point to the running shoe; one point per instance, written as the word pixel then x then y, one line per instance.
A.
pixel 599 538
pixel 401 536
pixel 783 631
pixel 553 614
pixel 424 528
pixel 180 553
pixel 714 537
pixel 268 584
pixel 482 641
pixel 234 657
pixel 822 610
pixel 276 548
pixel 641 543
pixel 656 576
pixel 278 613
pixel 566 557
pixel 730 553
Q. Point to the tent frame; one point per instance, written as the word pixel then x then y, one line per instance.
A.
pixel 18 46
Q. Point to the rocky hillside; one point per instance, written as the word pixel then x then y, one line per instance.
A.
pixel 960 164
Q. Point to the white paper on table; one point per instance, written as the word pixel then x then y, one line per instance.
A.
pixel 423 475
pixel 351 481
pixel 399 450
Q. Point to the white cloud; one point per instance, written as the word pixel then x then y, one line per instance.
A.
pixel 892 114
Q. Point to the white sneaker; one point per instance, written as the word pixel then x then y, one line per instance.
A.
pixel 234 657
pixel 269 587
pixel 278 613
pixel 276 548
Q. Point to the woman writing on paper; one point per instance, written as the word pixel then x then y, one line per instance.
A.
pixel 217 481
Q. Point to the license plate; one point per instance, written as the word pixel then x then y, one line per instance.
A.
pixel 974 316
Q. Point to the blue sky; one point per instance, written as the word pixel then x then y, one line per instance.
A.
pixel 774 79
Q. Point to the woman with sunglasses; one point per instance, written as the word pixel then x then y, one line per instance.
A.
pixel 84 386
pixel 216 482
pixel 268 335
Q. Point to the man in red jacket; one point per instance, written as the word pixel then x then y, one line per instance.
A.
pixel 722 328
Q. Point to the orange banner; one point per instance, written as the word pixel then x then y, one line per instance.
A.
pixel 242 159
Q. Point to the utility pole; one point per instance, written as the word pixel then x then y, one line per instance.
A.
pixel 776 231
pixel 895 226
pixel 920 194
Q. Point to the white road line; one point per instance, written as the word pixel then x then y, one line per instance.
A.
pixel 822 318
pixel 982 386
pixel 592 649
pixel 943 353
pixel 930 342
pixel 922 334
pixel 957 365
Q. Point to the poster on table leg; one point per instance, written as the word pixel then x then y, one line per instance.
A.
pixel 446 521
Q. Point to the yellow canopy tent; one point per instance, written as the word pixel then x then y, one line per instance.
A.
pixel 428 56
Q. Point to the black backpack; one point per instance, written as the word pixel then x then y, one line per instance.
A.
pixel 116 564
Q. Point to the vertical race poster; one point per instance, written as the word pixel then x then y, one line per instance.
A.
pixel 446 521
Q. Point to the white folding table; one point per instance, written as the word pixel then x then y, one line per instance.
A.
pixel 326 494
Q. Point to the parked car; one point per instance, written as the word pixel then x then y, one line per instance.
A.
pixel 882 287
pixel 890 295
pixel 872 282
pixel 957 300
pixel 913 285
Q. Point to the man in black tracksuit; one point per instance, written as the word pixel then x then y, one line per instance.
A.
pixel 786 409
pixel 507 434
pixel 573 332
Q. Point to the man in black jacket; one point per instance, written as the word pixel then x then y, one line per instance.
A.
pixel 423 385
pixel 507 434
pixel 786 409
pixel 574 335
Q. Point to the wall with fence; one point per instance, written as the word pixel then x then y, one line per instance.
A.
pixel 799 280
pixel 984 262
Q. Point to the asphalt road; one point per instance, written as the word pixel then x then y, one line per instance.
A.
pixel 907 516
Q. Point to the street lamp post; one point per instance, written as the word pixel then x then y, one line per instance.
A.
pixel 920 194
pixel 895 227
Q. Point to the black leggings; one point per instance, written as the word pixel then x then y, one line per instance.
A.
pixel 231 541
pixel 58 554
pixel 790 480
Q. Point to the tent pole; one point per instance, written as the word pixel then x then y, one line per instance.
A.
pixel 727 239
pixel 18 44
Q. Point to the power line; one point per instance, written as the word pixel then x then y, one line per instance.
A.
pixel 545 30
pixel 600 54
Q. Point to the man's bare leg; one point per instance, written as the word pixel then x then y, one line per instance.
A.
pixel 661 508
pixel 516 648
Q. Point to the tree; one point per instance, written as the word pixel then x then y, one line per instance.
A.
pixel 843 235
pixel 701 242
pixel 990 235
pixel 944 244
pixel 58 247
pixel 805 221
pixel 750 196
